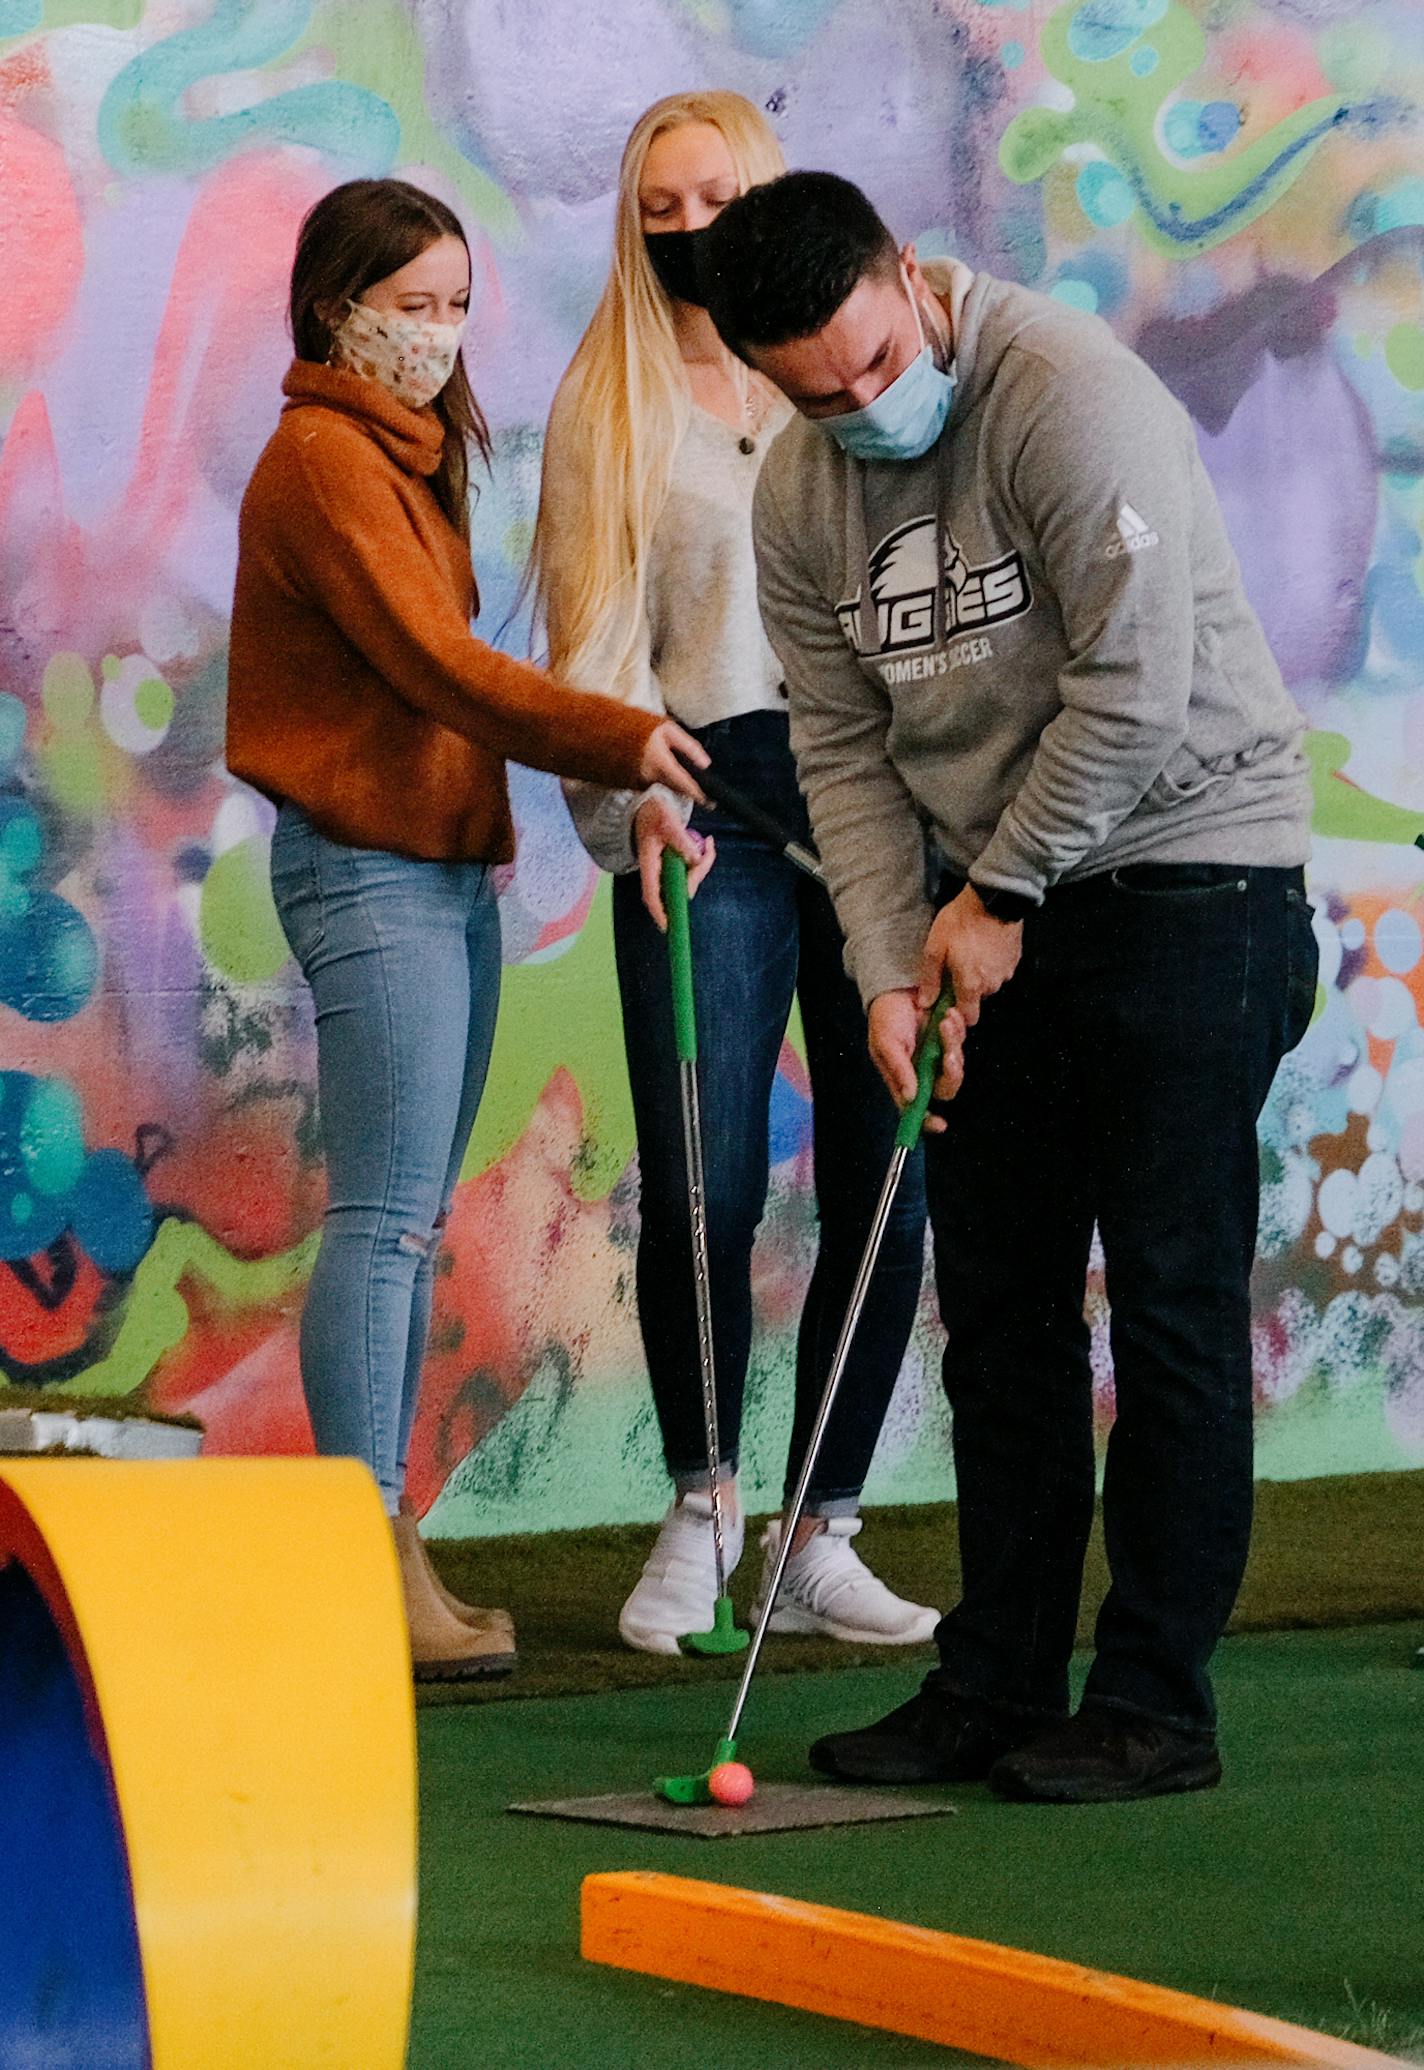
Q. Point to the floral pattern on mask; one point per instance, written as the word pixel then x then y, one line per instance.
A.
pixel 413 360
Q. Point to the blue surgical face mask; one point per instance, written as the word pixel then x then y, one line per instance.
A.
pixel 906 418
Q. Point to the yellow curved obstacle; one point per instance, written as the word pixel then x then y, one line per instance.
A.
pixel 208 1824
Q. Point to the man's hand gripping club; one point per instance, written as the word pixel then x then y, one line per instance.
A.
pixel 978 954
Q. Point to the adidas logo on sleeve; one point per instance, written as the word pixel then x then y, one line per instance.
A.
pixel 1131 534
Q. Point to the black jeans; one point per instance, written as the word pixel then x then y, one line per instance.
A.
pixel 761 933
pixel 1116 1079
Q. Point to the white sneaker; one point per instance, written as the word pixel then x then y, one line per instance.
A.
pixel 677 1590
pixel 828 1589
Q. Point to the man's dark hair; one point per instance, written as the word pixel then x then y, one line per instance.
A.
pixel 779 260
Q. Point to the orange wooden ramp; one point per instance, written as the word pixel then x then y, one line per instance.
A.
pixel 991 2001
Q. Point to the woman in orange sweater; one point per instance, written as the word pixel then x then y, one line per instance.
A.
pixel 360 702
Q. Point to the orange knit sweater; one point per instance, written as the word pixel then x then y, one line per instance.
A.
pixel 355 686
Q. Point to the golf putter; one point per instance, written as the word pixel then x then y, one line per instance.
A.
pixel 759 822
pixel 693 1789
pixel 725 1635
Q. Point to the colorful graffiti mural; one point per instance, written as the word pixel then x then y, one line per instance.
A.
pixel 1239 191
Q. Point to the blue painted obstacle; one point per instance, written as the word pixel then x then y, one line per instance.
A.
pixel 71 1984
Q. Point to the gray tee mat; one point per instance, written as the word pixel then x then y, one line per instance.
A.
pixel 776 1808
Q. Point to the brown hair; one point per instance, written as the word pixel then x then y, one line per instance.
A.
pixel 356 235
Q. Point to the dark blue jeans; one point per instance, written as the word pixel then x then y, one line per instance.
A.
pixel 1116 1079
pixel 761 933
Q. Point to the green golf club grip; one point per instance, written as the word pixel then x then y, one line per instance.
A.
pixel 927 1057
pixel 684 1016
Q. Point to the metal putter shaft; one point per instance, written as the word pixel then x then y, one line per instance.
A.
pixel 725 1636
pixel 692 1789
pixel 759 822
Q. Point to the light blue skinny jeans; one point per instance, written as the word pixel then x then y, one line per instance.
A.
pixel 403 960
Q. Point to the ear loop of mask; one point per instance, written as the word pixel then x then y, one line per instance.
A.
pixel 871 641
pixel 939 607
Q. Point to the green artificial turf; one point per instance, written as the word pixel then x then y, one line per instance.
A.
pixel 1342 1550
pixel 1295 1889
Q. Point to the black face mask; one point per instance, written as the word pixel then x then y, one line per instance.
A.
pixel 673 257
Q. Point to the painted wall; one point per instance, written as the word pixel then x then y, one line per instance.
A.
pixel 1237 187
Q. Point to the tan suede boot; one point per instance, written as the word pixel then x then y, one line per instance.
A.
pixel 477 1619
pixel 442 1649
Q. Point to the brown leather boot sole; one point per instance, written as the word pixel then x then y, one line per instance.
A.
pixel 466 1667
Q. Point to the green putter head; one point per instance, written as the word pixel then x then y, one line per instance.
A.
pixel 725 1636
pixel 692 1789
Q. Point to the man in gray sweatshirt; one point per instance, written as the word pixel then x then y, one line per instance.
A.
pixel 1049 758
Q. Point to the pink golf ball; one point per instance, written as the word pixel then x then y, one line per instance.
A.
pixel 730 1783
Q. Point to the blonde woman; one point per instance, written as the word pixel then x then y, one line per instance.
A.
pixel 645 574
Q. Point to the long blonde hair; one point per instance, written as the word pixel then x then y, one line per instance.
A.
pixel 621 412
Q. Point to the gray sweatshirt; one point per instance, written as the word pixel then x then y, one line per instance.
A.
pixel 1100 692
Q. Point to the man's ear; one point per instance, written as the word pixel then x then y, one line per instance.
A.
pixel 928 301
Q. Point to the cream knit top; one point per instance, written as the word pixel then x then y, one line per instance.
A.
pixel 702 654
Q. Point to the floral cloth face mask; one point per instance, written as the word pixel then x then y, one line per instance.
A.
pixel 410 358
